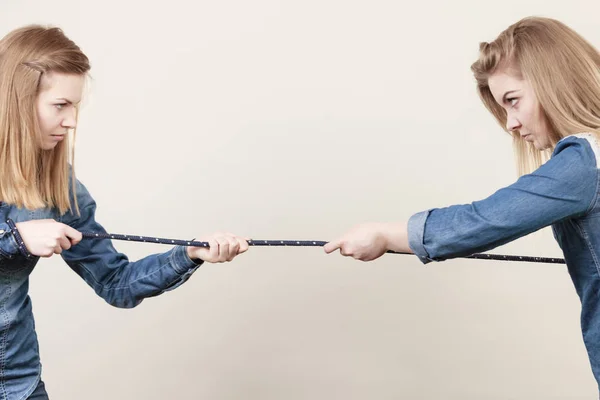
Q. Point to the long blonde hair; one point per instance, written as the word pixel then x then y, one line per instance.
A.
pixel 30 177
pixel 564 71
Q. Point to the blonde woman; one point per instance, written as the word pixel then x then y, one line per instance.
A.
pixel 541 81
pixel 44 207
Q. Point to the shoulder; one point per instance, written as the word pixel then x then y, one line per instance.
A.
pixel 579 147
pixel 80 192
pixel 79 187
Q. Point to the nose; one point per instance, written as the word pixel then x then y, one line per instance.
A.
pixel 70 120
pixel 512 123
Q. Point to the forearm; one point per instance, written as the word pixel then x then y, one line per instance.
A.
pixel 123 283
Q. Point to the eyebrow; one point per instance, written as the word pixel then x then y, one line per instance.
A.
pixel 66 100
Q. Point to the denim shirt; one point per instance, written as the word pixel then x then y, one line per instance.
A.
pixel 562 193
pixel 120 282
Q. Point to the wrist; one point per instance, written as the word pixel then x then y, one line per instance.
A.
pixel 396 237
pixel 19 240
pixel 190 253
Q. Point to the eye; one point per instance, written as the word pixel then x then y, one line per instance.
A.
pixel 512 101
pixel 60 105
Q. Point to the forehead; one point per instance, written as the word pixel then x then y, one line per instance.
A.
pixel 59 85
pixel 504 81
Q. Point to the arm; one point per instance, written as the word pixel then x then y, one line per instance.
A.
pixel 564 187
pixel 113 277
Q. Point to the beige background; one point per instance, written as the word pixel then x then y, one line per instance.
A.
pixel 297 120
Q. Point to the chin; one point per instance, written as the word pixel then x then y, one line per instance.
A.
pixel 47 147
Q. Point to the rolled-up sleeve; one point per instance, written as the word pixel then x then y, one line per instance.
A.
pixel 566 186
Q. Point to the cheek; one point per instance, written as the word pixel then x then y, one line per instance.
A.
pixel 533 117
pixel 46 119
pixel 539 122
pixel 528 115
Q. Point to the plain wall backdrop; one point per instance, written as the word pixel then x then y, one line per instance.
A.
pixel 298 120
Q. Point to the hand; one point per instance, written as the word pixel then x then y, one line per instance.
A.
pixel 223 247
pixel 370 241
pixel 46 237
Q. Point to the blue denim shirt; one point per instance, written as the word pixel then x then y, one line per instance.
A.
pixel 111 275
pixel 562 193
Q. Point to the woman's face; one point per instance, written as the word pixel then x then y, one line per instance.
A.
pixel 57 106
pixel 523 112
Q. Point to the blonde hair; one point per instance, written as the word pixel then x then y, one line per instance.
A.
pixel 563 70
pixel 31 177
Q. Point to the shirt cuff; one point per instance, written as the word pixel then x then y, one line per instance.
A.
pixel 182 263
pixel 416 233
pixel 8 244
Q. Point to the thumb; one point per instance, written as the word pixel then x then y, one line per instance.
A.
pixel 73 234
pixel 332 246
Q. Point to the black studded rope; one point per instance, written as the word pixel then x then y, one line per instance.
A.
pixel 302 243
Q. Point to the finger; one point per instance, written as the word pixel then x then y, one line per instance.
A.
pixel 332 246
pixel 347 250
pixel 214 249
pixel 241 243
pixel 64 243
pixel 363 256
pixel 73 234
pixel 243 246
pixel 234 247
pixel 57 250
pixel 223 248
